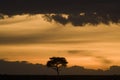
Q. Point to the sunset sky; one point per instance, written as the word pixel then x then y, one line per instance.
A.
pixel 37 37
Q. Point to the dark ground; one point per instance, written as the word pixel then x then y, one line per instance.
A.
pixel 66 77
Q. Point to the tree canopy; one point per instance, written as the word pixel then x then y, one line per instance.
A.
pixel 56 63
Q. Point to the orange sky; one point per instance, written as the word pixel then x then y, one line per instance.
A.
pixel 32 38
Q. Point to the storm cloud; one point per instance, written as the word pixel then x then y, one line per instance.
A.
pixel 81 20
pixel 95 11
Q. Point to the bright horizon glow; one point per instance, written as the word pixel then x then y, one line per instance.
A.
pixel 33 39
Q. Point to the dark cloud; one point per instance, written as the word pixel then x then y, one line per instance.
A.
pixel 89 53
pixel 96 11
pixel 1 16
pixel 43 38
pixel 59 6
pixel 80 20
pixel 103 60
pixel 36 39
pixel 74 51
pixel 80 52
pixel 23 67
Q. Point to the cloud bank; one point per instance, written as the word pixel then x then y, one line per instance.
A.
pixel 24 67
pixel 95 11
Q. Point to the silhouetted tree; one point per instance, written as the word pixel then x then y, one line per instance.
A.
pixel 56 63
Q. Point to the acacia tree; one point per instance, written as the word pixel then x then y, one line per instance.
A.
pixel 56 63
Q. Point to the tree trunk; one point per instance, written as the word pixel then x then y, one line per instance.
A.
pixel 58 73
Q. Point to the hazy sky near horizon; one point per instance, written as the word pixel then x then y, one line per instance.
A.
pixel 33 38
